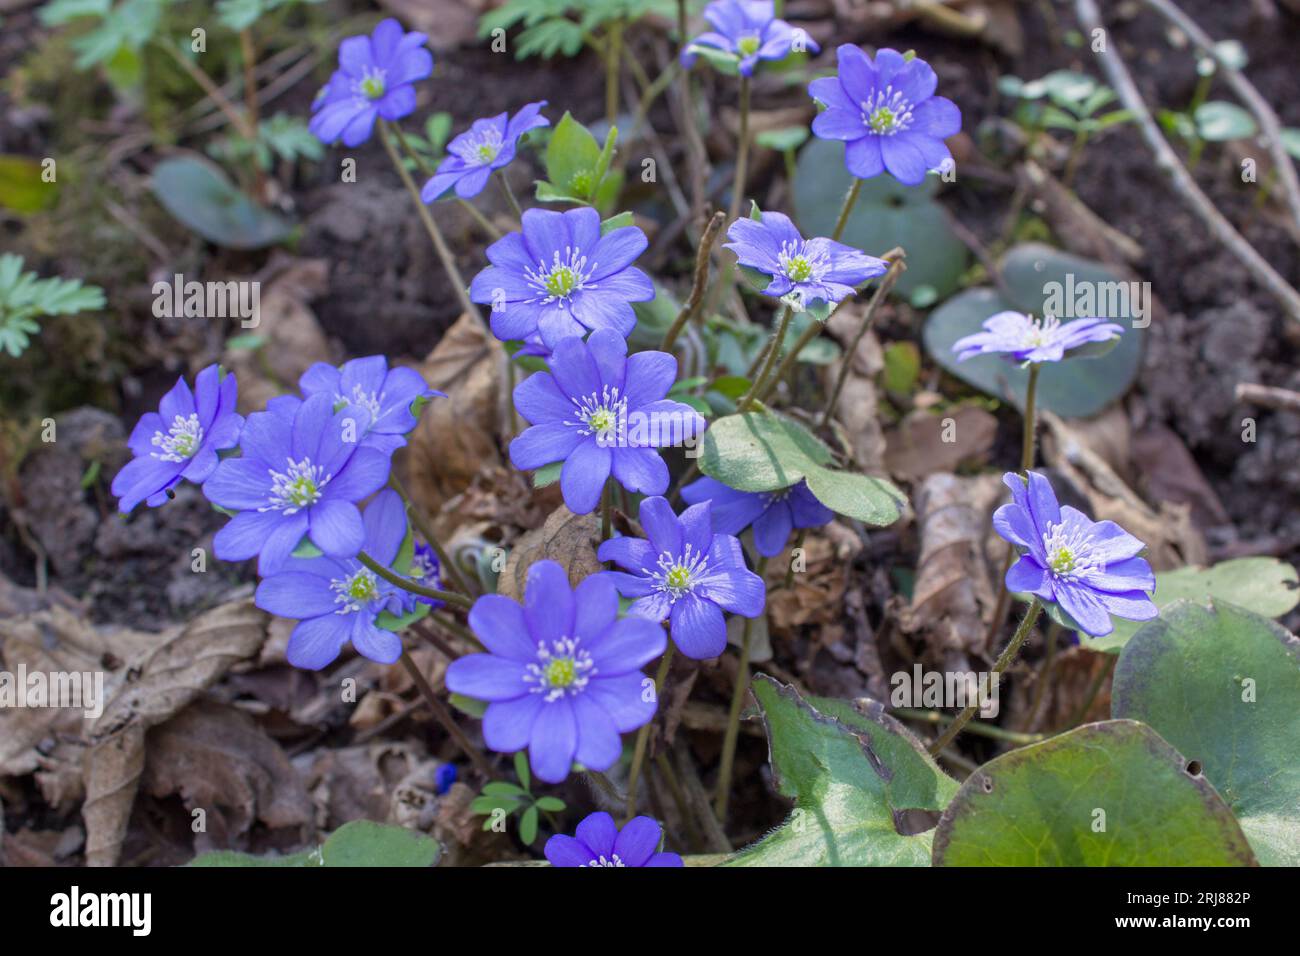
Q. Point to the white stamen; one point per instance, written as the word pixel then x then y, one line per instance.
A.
pixel 182 440
pixel 563 669
pixel 298 486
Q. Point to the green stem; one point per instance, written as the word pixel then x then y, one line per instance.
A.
pixel 613 52
pixel 742 153
pixel 992 731
pixel 606 509
pixel 406 584
pixel 448 567
pixel 509 194
pixel 643 735
pixel 728 759
pixel 439 243
pixel 698 285
pixel 484 223
pixel 850 198
pixel 774 350
pixel 1044 674
pixel 1003 662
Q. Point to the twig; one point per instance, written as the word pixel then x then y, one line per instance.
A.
pixel 1266 396
pixel 897 266
pixel 1184 185
pixel 444 717
pixel 701 282
pixel 1246 92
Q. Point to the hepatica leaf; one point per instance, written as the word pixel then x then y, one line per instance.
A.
pixel 1106 794
pixel 358 843
pixel 1223 686
pixel 1265 585
pixel 1041 280
pixel 864 788
pixel 887 214
pixel 200 196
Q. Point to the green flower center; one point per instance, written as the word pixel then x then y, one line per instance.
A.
pixel 748 46
pixel 601 421
pixel 799 269
pixel 581 183
pixel 679 577
pixel 373 86
pixel 561 672
pixel 302 491
pixel 487 152
pixel 883 120
pixel 354 592
pixel 1063 561
pixel 561 282
pixel 362 588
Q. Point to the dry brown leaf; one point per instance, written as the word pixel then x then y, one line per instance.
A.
pixel 160 681
pixel 815 597
pixel 953 595
pixel 567 538
pixel 456 437
pixel 1170 473
pixel 917 448
pixel 217 759
pixel 294 340
pixel 449 23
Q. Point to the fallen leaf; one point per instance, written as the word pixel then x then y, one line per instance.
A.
pixel 918 446
pixel 566 538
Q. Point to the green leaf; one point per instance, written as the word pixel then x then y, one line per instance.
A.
pixel 1219 122
pixel 787 137
pixel 365 843
pixel 865 790
pixel 622 220
pixel 547 474
pixel 358 843
pixel 528 826
pixel 522 771
pixel 468 705
pixel 1042 281
pixel 398 623
pixel 503 788
pixel 873 501
pixel 550 804
pixel 887 214
pixel 21 188
pixel 1265 585
pixel 1106 794
pixel 571 159
pixel 902 367
pixel 732 386
pixel 25 297
pixel 1223 686
pixel 199 195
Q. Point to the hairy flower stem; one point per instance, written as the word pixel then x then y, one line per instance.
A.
pixel 422 525
pixel 1003 662
pixel 727 762
pixel 992 731
pixel 509 193
pixel 444 717
pixel 1026 462
pixel 850 199
pixel 484 222
pixel 896 268
pixel 613 53
pixel 406 584
pixel 742 153
pixel 435 234
pixel 692 306
pixel 773 351
pixel 643 735
pixel 607 509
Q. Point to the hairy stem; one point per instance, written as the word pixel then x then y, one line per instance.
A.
pixel 774 350
pixel 406 584
pixel 850 199
pixel 701 281
pixel 643 735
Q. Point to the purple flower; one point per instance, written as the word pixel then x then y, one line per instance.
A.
pixel 602 412
pixel 386 395
pixel 687 574
pixel 302 471
pixel 489 144
pixel 598 842
pixel 426 570
pixel 561 277
pixel 180 440
pixel 749 31
pixel 887 115
pixel 336 601
pixel 772 513
pixel 803 271
pixel 373 79
pixel 1090 569
pixel 1023 339
pixel 562 675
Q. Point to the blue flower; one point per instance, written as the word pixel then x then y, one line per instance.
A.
pixel 426 570
pixel 686 574
pixel 803 271
pixel 602 412
pixel 887 115
pixel 561 277
pixel 598 842
pixel 1024 339
pixel 749 31
pixel 180 440
pixel 1090 569
pixel 562 674
pixel 373 80
pixel 386 395
pixel 772 513
pixel 488 145
pixel 302 470
pixel 336 601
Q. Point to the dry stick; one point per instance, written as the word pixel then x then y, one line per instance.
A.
pixel 778 338
pixel 728 759
pixel 701 282
pixel 421 522
pixel 406 584
pixel 1267 396
pixel 1003 662
pixel 896 269
pixel 228 109
pixel 1247 93
pixel 250 103
pixel 1044 674
pixel 850 199
pixel 1185 186
pixel 643 735
pixel 444 717
pixel 669 776
pixel 439 243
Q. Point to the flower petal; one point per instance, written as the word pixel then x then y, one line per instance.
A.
pixel 554 741
pixel 486 677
